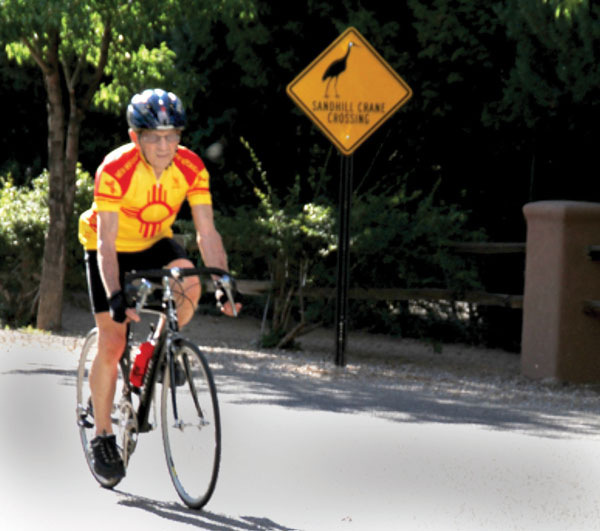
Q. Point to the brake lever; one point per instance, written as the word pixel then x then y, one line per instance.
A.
pixel 228 285
pixel 143 291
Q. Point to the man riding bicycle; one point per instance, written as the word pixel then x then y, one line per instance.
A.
pixel 139 188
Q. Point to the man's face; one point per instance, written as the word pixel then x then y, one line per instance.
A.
pixel 159 147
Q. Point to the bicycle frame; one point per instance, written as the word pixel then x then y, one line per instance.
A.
pixel 167 333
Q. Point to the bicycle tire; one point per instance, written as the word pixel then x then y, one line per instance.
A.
pixel 84 409
pixel 193 445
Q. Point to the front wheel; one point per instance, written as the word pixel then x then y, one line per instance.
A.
pixel 191 424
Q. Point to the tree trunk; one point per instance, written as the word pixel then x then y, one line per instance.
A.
pixel 53 265
pixel 61 209
pixel 76 116
pixel 62 161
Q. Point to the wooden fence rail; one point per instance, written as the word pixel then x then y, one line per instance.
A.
pixel 261 287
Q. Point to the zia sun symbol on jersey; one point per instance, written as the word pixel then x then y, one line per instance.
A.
pixel 153 214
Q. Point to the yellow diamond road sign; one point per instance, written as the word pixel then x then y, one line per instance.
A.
pixel 349 91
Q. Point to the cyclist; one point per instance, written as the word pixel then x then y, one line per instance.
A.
pixel 139 189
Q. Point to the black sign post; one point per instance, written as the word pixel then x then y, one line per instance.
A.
pixel 343 259
pixel 369 93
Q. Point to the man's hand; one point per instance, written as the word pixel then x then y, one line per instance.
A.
pixel 223 301
pixel 119 311
pixel 132 315
pixel 227 310
pixel 118 306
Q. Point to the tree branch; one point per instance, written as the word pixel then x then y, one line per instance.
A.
pixel 53 46
pixel 300 329
pixel 71 79
pixel 37 55
pixel 67 72
pixel 79 67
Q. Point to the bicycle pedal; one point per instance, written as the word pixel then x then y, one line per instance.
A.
pixel 84 423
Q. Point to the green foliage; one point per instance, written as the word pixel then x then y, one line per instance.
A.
pixel 23 226
pixel 77 46
pixel 407 236
pixel 398 239
pixel 131 71
pixel 556 62
pixel 458 38
pixel 280 239
pixel 128 30
pixel 401 240
pixel 505 106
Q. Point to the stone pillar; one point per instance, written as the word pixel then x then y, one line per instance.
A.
pixel 559 340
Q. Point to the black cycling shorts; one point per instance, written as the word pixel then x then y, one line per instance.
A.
pixel 161 254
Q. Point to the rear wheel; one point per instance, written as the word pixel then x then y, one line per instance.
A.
pixel 122 411
pixel 191 425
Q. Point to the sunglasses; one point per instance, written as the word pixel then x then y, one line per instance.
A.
pixel 150 138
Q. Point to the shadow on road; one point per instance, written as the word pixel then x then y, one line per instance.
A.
pixel 247 377
pixel 42 370
pixel 549 411
pixel 200 519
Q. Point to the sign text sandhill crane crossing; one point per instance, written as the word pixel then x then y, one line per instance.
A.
pixel 349 91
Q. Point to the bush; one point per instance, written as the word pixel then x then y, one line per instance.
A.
pixel 280 239
pixel 24 222
pixel 398 240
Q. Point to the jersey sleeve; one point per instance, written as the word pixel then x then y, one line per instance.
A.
pixel 107 193
pixel 199 191
pixel 195 173
pixel 113 178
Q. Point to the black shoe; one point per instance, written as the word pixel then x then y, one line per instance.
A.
pixel 107 459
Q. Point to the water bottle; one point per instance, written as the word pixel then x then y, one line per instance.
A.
pixel 140 364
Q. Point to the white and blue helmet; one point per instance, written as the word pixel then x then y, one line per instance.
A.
pixel 155 109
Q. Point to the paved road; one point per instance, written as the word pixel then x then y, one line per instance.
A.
pixel 300 454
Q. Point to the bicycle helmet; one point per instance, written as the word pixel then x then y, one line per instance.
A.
pixel 155 109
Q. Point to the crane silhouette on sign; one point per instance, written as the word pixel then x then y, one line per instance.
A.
pixel 335 69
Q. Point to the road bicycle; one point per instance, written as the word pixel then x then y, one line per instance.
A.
pixel 178 372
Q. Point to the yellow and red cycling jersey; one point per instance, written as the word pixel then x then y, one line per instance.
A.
pixel 147 207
